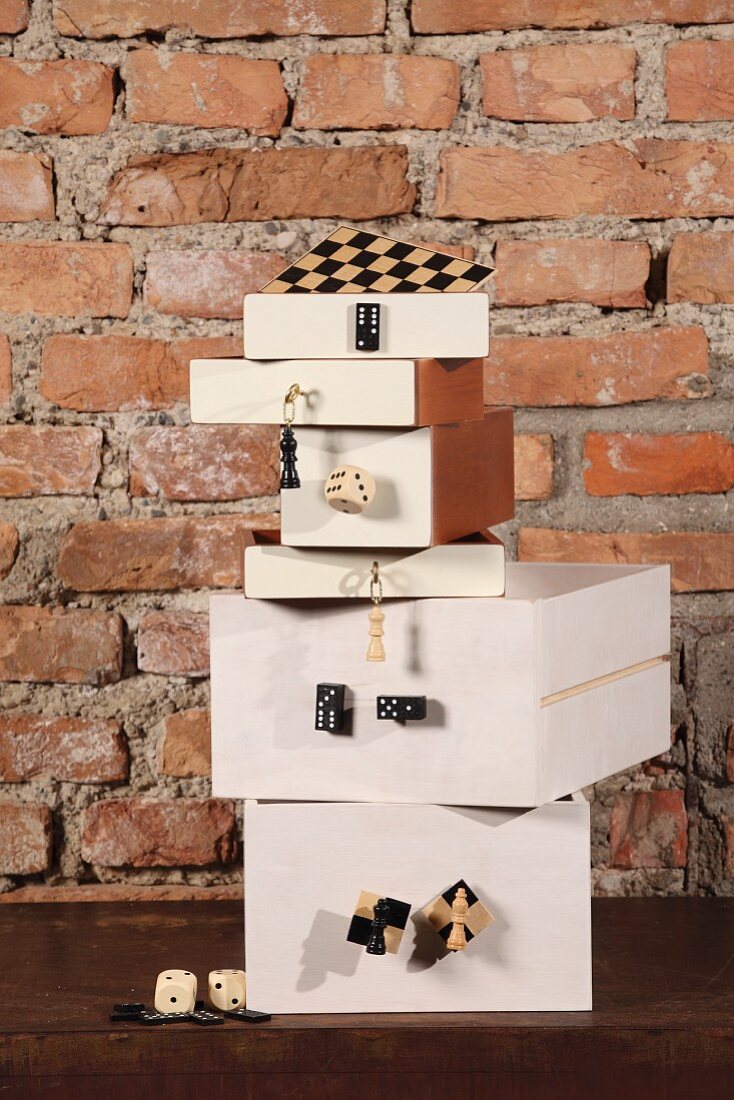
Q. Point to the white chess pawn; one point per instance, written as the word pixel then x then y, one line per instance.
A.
pixel 227 989
pixel 175 991
pixel 349 489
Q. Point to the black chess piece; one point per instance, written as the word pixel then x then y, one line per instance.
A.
pixel 376 942
pixel 289 478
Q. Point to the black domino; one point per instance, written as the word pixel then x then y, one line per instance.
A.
pixel 330 707
pixel 401 708
pixel 367 329
pixel 156 1018
pixel 248 1015
pixel 204 1018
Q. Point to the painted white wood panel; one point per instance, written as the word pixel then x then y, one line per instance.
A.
pixel 463 569
pixel 531 869
pixel 338 391
pixel 321 326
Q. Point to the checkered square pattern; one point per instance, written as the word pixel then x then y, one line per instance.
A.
pixel 360 927
pixel 351 261
pixel 438 912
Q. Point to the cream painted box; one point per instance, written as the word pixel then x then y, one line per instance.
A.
pixel 323 326
pixel 306 864
pixel 560 683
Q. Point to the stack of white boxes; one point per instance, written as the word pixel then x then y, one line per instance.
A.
pixel 539 679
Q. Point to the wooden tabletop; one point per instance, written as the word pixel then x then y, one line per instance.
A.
pixel 663 1023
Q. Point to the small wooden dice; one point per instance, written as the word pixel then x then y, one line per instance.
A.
pixel 227 989
pixel 175 991
pixel 349 489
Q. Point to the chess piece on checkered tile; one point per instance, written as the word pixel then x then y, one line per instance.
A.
pixel 175 991
pixel 459 909
pixel 227 989
pixel 349 489
pixel 376 942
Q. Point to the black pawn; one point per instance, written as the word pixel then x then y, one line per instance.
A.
pixel 289 478
pixel 376 942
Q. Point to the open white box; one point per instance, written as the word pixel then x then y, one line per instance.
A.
pixel 560 683
pixel 306 864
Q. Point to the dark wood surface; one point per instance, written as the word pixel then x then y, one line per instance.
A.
pixel 663 1023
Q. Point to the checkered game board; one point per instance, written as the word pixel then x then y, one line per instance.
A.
pixel 351 261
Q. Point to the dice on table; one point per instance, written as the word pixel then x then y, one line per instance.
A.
pixel 349 489
pixel 175 991
pixel 227 989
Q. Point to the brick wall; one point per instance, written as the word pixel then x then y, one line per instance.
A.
pixel 158 158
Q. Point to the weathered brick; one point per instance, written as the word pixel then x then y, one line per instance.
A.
pixel 121 891
pixel 700 561
pixel 691 462
pixel 563 83
pixel 649 829
pixel 74 750
pixel 9 543
pixel 209 90
pixel 185 747
pixel 233 185
pixel 43 644
pixel 605 273
pixel 131 832
pixel 377 92
pixel 47 461
pixel 223 19
pixel 137 555
pixel 66 278
pixel 533 467
pixel 665 362
pixel 699 80
pixel 207 282
pixel 205 462
pixel 655 178
pixel 728 827
pixel 6 369
pixel 730 753
pixel 56 97
pixel 701 268
pixel 25 838
pixel 118 373
pixel 462 16
pixel 174 643
pixel 13 16
pixel 26 189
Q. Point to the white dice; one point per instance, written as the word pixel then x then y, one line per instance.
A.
pixel 227 989
pixel 175 991
pixel 349 489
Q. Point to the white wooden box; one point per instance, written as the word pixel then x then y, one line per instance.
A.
pixel 381 393
pixel 475 568
pixel 305 865
pixel 322 326
pixel 559 684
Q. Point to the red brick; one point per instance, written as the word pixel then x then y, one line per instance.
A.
pixel 174 643
pixel 208 90
pixel 6 369
pixel 728 826
pixel 13 16
pixel 699 80
pixel 121 891
pixel 66 278
pixel 25 838
pixel 26 190
pixel 223 19
pixel 205 462
pixel 185 749
pixel 235 185
pixel 656 178
pixel 533 467
pixel 605 273
pixel 56 97
pixel 44 461
pixel 700 561
pixel 575 82
pixel 207 282
pixel 701 268
pixel 377 92
pixel 665 362
pixel 73 750
pixel 137 555
pixel 131 832
pixel 9 543
pixel 43 644
pixel 692 462
pixel 730 754
pixel 120 373
pixel 462 16
pixel 649 829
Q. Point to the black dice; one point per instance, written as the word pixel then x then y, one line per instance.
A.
pixel 401 708
pixel 330 707
pixel 367 330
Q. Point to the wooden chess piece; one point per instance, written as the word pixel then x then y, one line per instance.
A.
pixel 376 942
pixel 376 650
pixel 289 478
pixel 457 937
